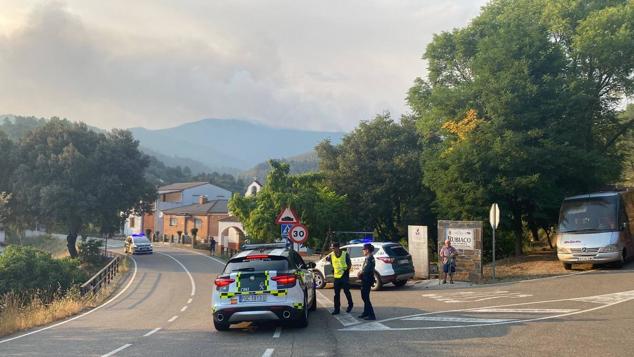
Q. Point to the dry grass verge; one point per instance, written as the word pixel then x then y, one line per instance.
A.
pixel 16 316
pixel 537 265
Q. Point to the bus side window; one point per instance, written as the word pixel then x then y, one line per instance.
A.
pixel 623 219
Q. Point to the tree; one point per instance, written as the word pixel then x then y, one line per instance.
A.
pixel 70 176
pixel 518 108
pixel 377 168
pixel 319 208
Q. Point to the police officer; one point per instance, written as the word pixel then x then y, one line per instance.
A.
pixel 341 265
pixel 367 280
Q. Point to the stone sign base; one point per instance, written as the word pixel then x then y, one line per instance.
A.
pixel 469 260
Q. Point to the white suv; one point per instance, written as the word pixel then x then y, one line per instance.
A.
pixel 393 264
pixel 264 282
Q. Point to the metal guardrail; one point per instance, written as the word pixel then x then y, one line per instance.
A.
pixel 102 278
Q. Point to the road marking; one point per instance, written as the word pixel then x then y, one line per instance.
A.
pixel 455 319
pixel 191 278
pixel 470 296
pixel 268 352
pixel 173 318
pixel 278 332
pixel 82 315
pixel 190 300
pixel 204 255
pixel 117 350
pixel 616 298
pixel 344 318
pixel 152 332
pixel 527 311
pixel 184 308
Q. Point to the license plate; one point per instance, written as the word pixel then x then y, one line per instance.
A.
pixel 252 298
pixel 404 261
pixel 583 259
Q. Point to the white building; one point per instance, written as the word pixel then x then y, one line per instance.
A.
pixel 173 196
pixel 253 188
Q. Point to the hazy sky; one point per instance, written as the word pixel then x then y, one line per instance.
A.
pixel 322 65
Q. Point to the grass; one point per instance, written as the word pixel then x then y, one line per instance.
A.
pixel 538 264
pixel 16 315
pixel 56 247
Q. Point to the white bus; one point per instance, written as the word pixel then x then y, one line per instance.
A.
pixel 596 228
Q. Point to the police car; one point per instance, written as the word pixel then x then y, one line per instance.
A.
pixel 137 244
pixel 264 282
pixel 393 264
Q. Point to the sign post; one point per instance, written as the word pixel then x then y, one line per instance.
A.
pixel 494 219
pixel 288 220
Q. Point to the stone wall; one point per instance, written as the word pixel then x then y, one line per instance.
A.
pixel 468 262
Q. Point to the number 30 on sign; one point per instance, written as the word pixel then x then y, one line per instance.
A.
pixel 298 233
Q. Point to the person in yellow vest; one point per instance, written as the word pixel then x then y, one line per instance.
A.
pixel 341 265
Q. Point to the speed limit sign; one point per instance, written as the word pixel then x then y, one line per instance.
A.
pixel 298 233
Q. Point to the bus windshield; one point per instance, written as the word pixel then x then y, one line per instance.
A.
pixel 589 214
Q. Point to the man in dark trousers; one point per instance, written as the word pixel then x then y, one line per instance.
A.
pixel 341 265
pixel 212 246
pixel 367 280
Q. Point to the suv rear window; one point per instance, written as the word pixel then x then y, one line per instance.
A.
pixel 395 250
pixel 270 263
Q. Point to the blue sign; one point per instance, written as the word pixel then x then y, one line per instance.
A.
pixel 285 228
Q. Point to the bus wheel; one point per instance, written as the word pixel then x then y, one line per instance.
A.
pixel 567 266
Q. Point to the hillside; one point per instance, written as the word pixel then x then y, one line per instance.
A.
pixel 226 143
pixel 307 162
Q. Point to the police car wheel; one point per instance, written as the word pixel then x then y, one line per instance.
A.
pixel 313 306
pixel 378 285
pixel 302 316
pixel 320 282
pixel 221 326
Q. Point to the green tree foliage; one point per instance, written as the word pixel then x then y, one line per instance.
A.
pixel 627 146
pixel 319 208
pixel 377 168
pixel 71 176
pixel 29 272
pixel 518 108
pixel 90 252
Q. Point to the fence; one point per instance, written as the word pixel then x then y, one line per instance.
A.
pixel 102 278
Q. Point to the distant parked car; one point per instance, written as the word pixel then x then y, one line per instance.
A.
pixel 137 244
pixel 393 265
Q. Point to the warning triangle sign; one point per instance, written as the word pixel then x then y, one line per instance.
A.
pixel 287 216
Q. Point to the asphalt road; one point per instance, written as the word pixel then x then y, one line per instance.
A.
pixel 163 309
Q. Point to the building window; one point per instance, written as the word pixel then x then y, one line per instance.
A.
pixel 131 222
pixel 198 222
pixel 173 221
pixel 254 189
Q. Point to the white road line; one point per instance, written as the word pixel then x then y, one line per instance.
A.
pixel 344 318
pixel 456 319
pixel 625 296
pixel 278 332
pixel 268 352
pixel 173 318
pixel 82 315
pixel 190 301
pixel 201 254
pixel 117 350
pixel 191 278
pixel 152 332
pixel 184 308
pixel 527 311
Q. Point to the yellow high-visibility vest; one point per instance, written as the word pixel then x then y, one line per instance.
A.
pixel 339 264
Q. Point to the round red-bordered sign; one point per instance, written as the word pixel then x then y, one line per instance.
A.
pixel 298 233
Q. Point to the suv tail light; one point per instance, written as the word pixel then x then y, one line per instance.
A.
pixel 256 256
pixel 286 280
pixel 223 281
pixel 387 260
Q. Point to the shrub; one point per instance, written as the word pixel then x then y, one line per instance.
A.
pixel 90 252
pixel 27 272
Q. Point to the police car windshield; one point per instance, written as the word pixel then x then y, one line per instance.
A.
pixel 141 240
pixel 269 263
